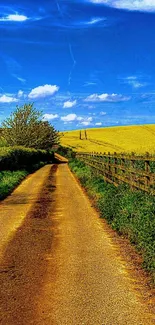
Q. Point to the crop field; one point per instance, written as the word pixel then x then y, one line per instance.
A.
pixel 138 139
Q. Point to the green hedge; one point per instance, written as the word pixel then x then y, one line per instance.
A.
pixel 21 158
pixel 66 152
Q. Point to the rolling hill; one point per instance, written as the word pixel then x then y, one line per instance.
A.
pixel 139 139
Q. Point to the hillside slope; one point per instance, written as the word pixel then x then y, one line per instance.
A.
pixel 139 139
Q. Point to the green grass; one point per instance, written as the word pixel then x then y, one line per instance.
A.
pixel 17 162
pixel 9 180
pixel 130 213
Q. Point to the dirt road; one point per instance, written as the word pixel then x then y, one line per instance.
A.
pixel 59 265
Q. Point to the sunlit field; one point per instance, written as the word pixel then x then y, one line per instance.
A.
pixel 138 139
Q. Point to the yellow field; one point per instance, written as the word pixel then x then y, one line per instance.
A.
pixel 138 139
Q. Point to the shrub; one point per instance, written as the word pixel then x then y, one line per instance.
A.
pixel 17 158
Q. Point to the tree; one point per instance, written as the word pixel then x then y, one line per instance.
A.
pixel 25 127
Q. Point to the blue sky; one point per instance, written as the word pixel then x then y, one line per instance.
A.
pixel 84 63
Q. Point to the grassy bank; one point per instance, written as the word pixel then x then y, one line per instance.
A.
pixel 132 214
pixel 16 163
pixel 9 180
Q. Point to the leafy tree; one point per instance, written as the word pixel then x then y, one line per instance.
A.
pixel 25 127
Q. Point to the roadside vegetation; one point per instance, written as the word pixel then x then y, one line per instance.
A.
pixel 130 213
pixel 9 180
pixel 26 144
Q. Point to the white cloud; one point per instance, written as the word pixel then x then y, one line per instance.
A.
pixel 73 117
pixel 103 113
pixel 69 104
pixel 134 82
pixel 140 5
pixel 98 123
pixel 69 118
pixel 85 121
pixel 43 91
pixel 79 118
pixel 7 99
pixel 50 116
pixel 89 83
pixel 15 75
pixel 94 21
pixel 16 17
pixel 21 79
pixel 106 98
pixel 20 93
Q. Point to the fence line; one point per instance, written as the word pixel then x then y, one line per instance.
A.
pixel 136 171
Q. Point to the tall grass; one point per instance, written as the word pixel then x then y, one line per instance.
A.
pixel 130 213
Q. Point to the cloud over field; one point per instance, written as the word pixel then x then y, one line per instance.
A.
pixel 106 98
pixel 43 91
pixel 139 5
pixel 50 116
pixel 69 104
pixel 7 99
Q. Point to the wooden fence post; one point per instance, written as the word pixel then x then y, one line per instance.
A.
pixel 131 175
pixel 147 170
pixel 115 168
pixel 109 166
pixel 123 165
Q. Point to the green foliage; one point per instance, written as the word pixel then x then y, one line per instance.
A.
pixel 82 171
pixel 3 142
pixel 131 213
pixel 9 180
pixel 66 152
pixel 17 158
pixel 25 127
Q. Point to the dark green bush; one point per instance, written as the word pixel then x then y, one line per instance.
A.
pixel 66 152
pixel 19 158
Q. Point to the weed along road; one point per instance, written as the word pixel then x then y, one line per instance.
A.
pixel 59 266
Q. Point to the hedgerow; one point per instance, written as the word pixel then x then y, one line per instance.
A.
pixel 21 158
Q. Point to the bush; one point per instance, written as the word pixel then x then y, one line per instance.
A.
pixel 17 158
pixel 66 152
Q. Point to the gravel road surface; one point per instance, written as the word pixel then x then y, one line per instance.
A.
pixel 59 264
